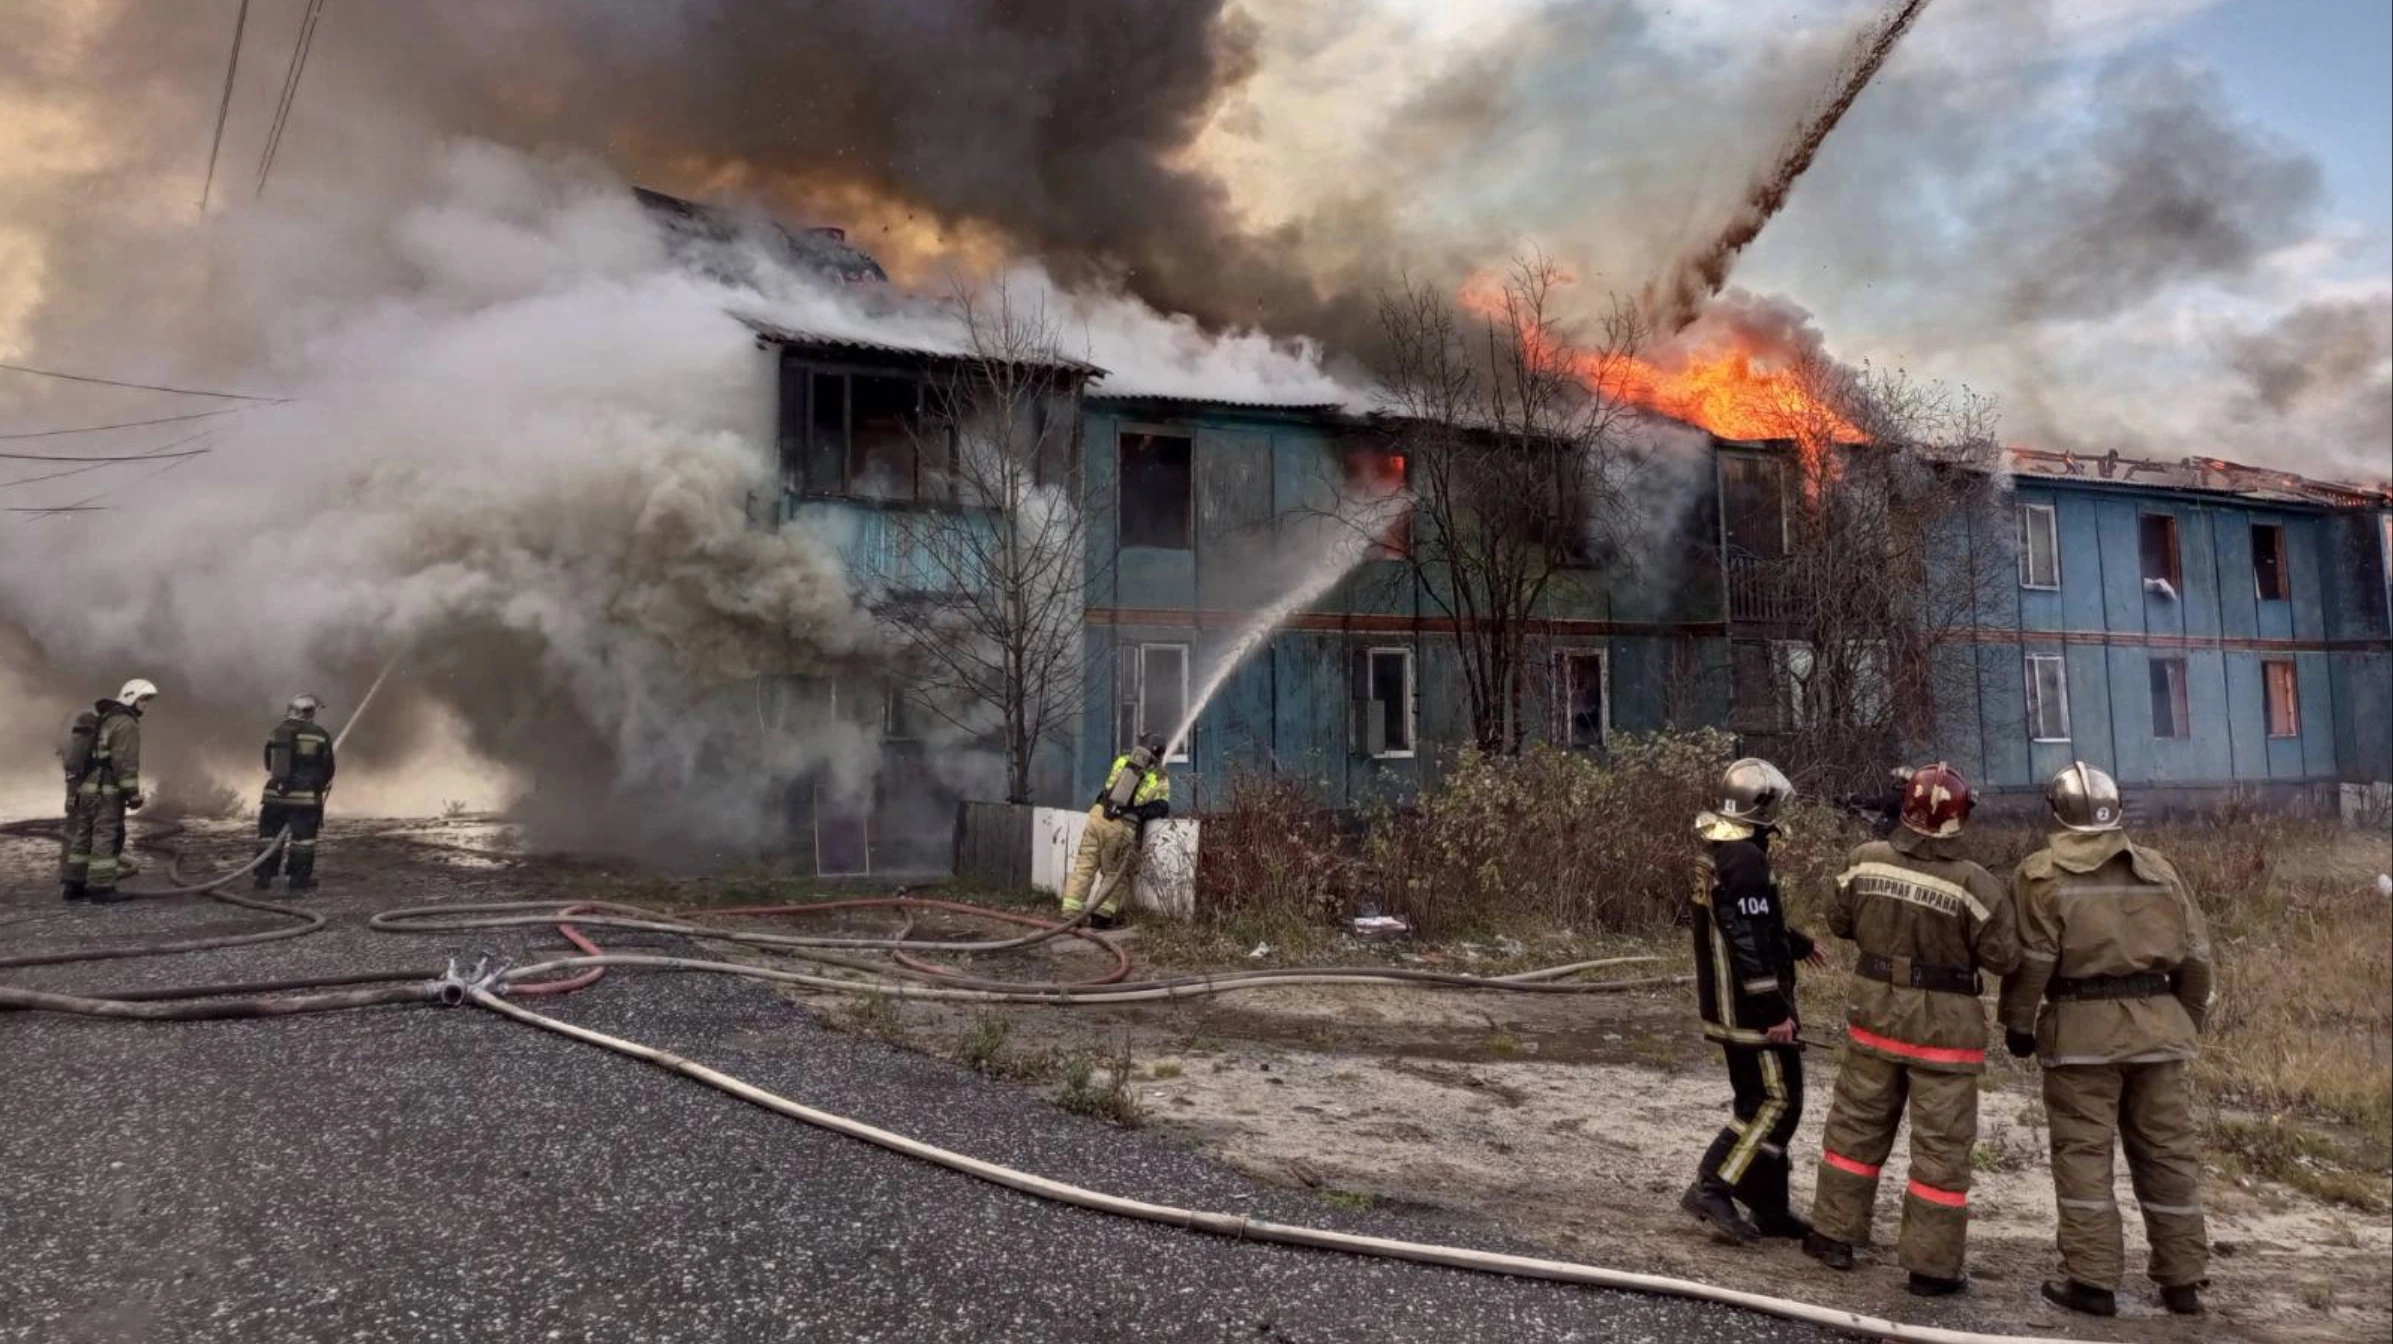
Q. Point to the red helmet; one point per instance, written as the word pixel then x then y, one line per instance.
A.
pixel 1936 800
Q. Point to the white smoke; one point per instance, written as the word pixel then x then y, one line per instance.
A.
pixel 522 450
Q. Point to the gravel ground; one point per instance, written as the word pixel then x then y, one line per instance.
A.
pixel 418 1173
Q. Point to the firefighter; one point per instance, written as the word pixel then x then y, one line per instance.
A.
pixel 103 783
pixel 1136 792
pixel 298 780
pixel 1927 923
pixel 1745 957
pixel 2113 984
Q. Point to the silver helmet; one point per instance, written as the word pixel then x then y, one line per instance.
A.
pixel 303 706
pixel 1753 791
pixel 2085 799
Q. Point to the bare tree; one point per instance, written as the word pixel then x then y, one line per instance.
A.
pixel 1511 461
pixel 988 611
pixel 1895 543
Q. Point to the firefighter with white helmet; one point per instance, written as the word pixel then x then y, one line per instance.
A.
pixel 1745 955
pixel 103 782
pixel 1929 926
pixel 299 769
pixel 1136 792
pixel 2113 985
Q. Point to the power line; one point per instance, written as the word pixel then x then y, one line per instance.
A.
pixel 96 429
pixel 84 505
pixel 95 466
pixel 224 105
pixel 142 387
pixel 290 94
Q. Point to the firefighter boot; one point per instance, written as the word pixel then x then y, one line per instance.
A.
pixel 1836 1255
pixel 74 891
pixel 1931 1285
pixel 2080 1297
pixel 1716 1210
pixel 1784 1224
pixel 2182 1299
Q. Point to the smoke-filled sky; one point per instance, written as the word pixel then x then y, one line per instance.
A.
pixel 2155 225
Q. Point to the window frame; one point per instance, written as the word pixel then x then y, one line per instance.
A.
pixel 2034 702
pixel 1121 439
pixel 2176 674
pixel 1777 469
pixel 1566 704
pixel 1134 697
pixel 2027 546
pixel 2279 559
pixel 2293 699
pixel 2175 577
pixel 1411 695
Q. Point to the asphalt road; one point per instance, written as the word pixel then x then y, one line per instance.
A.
pixel 419 1173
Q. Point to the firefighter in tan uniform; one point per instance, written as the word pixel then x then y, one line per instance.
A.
pixel 103 783
pixel 1136 792
pixel 2113 985
pixel 1926 923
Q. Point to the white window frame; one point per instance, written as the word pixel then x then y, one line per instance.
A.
pixel 1792 662
pixel 1137 695
pixel 2027 546
pixel 2183 689
pixel 2293 680
pixel 1412 696
pixel 2034 702
pixel 1568 705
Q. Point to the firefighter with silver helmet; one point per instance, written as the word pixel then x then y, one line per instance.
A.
pixel 2114 982
pixel 1928 925
pixel 103 782
pixel 1136 792
pixel 299 770
pixel 1745 955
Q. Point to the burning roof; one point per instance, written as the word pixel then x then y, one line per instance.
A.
pixel 691 227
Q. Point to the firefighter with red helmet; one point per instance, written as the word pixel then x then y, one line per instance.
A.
pixel 1929 926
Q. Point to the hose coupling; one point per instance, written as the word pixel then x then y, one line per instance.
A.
pixel 488 976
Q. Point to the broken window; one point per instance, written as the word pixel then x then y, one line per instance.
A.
pixel 901 720
pixel 1151 694
pixel 1158 499
pixel 827 434
pixel 1583 690
pixel 1383 702
pixel 2039 547
pixel 2157 538
pixel 2268 562
pixel 1753 503
pixel 2284 700
pixel 1376 482
pixel 2047 698
pixel 881 416
pixel 2171 716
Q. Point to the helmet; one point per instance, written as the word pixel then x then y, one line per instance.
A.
pixel 1936 800
pixel 1752 791
pixel 1152 743
pixel 304 706
pixel 2083 798
pixel 136 691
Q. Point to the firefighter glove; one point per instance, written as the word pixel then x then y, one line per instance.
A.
pixel 132 802
pixel 2021 1044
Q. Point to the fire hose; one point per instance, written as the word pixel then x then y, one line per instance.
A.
pixel 486 988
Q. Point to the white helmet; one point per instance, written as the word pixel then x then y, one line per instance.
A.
pixel 303 706
pixel 136 691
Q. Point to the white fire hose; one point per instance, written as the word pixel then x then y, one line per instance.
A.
pixel 1243 1228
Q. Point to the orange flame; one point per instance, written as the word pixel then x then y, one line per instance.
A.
pixel 1727 383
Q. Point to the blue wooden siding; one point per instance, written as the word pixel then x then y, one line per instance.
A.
pixel 1260 476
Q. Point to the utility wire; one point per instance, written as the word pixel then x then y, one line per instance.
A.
pixel 94 429
pixel 290 94
pixel 139 387
pixel 84 505
pixel 224 104
pixel 154 453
